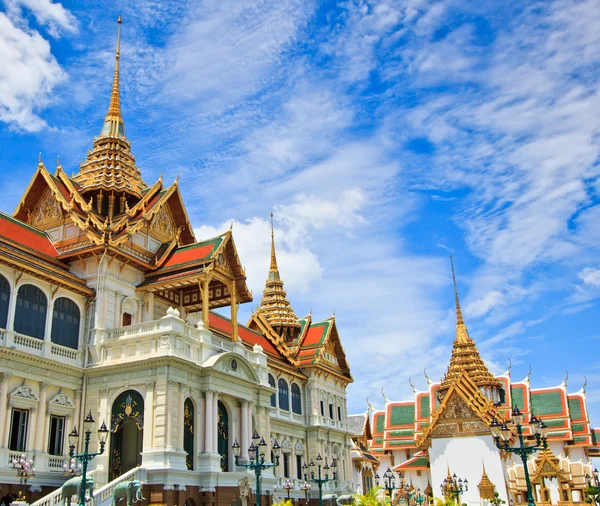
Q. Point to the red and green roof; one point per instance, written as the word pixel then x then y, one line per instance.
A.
pixel 193 253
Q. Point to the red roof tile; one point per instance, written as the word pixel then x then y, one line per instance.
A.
pixel 193 252
pixel 223 325
pixel 25 235
pixel 315 334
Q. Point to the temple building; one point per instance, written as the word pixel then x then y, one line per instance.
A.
pixel 445 431
pixel 109 305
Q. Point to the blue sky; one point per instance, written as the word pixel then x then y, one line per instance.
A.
pixel 385 135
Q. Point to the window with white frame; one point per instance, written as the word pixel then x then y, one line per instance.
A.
pixel 56 435
pixel 18 429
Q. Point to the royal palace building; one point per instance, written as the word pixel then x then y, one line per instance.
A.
pixel 110 305
pixel 446 431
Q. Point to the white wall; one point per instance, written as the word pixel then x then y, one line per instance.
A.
pixel 465 457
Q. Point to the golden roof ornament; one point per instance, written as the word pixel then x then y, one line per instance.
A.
pixel 275 306
pixel 110 165
pixel 465 356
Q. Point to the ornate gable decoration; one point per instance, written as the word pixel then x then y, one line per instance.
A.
pixel 458 419
pixel 47 211
pixel 163 225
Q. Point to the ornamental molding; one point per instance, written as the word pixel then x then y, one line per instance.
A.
pixel 23 396
pixel 61 400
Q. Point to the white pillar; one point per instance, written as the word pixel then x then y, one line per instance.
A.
pixel 215 430
pixel 208 422
pixel 148 417
pixel 4 422
pixel 244 443
pixel 180 418
pixel 38 438
pixel 170 387
pixel 200 424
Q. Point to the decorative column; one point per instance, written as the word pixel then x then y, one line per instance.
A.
pixel 148 417
pixel 200 423
pixel 12 303
pixel 215 430
pixel 170 387
pixel 38 444
pixel 180 416
pixel 234 322
pixel 77 410
pixel 244 431
pixel 6 427
pixel 4 377
pixel 209 422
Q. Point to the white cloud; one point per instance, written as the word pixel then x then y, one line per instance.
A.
pixel 47 13
pixel 28 75
pixel 590 276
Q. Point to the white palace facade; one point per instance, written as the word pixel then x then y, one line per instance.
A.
pixel 108 306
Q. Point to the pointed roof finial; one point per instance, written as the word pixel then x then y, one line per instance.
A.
pixel 40 158
pixel 459 317
pixel 113 123
pixel 275 306
pixel 273 257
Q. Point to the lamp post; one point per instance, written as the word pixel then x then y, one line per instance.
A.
pixel 593 491
pixel 420 497
pixel 86 456
pixel 72 469
pixel 321 478
pixel 288 485
pixel 256 453
pixel 388 484
pixel 305 487
pixel 25 470
pixel 454 486
pixel 501 434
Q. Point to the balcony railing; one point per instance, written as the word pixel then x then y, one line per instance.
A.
pixel 168 336
pixel 40 347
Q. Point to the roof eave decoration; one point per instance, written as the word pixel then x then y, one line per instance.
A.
pixel 469 392
pixel 260 323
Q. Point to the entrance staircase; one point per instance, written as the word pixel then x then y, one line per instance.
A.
pixel 101 497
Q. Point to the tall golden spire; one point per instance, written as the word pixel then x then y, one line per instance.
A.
pixel 461 329
pixel 110 165
pixel 275 306
pixel 273 268
pixel 465 356
pixel 113 123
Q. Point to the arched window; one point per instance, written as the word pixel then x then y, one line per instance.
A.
pixel 4 299
pixel 188 433
pixel 296 399
pixel 273 396
pixel 65 323
pixel 30 313
pixel 284 397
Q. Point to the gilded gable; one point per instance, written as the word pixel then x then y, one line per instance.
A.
pixel 163 225
pixel 47 212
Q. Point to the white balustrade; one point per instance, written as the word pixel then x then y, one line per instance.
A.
pixel 40 347
pixel 104 494
pixel 56 462
pixel 55 498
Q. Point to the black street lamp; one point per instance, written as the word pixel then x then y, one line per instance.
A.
pixel 86 456
pixel 305 487
pixel 256 453
pixel 593 490
pixel 388 484
pixel 288 485
pixel 540 431
pixel 321 479
pixel 454 487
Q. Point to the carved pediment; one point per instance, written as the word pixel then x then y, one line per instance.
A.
pixel 61 400
pixel 163 225
pixel 47 211
pixel 458 419
pixel 24 392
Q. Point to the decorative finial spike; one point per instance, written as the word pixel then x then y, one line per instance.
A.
pixel 566 377
pixel 584 384
pixel 40 158
pixel 528 377
pixel 383 395
pixel 411 384
pixel 113 123
pixel 459 317
pixel 231 225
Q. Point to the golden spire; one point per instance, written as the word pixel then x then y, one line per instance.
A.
pixel 465 356
pixel 113 123
pixel 461 329
pixel 110 166
pixel 275 306
pixel 273 267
